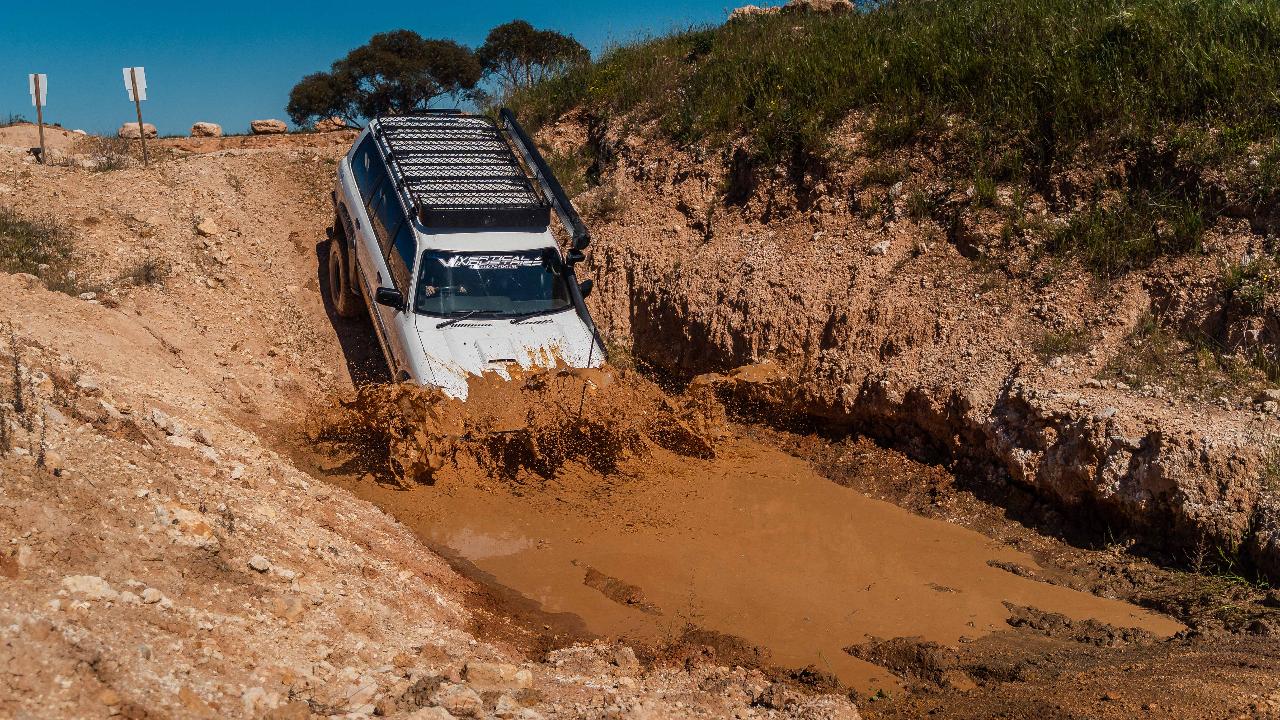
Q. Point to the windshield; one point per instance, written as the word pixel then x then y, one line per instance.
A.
pixel 504 284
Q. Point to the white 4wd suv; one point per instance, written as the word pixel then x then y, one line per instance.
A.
pixel 443 231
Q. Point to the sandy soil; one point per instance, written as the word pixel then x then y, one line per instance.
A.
pixel 181 546
pixel 163 559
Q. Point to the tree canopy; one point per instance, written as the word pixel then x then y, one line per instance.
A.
pixel 396 72
pixel 520 55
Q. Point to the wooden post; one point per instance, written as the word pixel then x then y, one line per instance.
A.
pixel 137 103
pixel 40 119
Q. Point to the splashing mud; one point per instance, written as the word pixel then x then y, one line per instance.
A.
pixel 530 425
pixel 595 496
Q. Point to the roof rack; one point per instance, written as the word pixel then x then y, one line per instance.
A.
pixel 459 171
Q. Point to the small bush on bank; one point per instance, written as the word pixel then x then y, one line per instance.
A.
pixel 39 247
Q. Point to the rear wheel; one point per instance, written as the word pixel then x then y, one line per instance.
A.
pixel 345 301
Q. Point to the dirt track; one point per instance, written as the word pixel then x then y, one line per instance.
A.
pixel 236 346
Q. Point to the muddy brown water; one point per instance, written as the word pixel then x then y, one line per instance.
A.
pixel 753 544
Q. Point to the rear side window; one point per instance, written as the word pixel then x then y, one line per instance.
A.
pixel 400 263
pixel 367 166
pixel 384 213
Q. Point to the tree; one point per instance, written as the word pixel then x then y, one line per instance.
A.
pixel 397 72
pixel 520 55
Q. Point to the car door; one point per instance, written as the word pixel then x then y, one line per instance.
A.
pixel 388 221
pixel 374 185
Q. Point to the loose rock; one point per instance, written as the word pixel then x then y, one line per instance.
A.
pixel 459 700
pixel 497 676
pixel 130 131
pixel 206 129
pixel 268 127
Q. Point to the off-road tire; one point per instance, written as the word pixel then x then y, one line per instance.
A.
pixel 345 300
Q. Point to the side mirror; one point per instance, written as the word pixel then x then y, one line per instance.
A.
pixel 389 297
pixel 573 257
pixel 586 286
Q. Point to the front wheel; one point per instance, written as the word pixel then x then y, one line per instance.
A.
pixel 345 302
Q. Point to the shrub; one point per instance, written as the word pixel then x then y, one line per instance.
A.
pixel 1111 239
pixel 40 247
pixel 1247 285
pixel 106 153
pixel 149 271
pixel 1187 366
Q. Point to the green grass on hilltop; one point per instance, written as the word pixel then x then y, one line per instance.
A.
pixel 1048 72
pixel 1019 89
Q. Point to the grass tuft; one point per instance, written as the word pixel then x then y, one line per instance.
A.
pixel 1111 240
pixel 39 247
pixel 148 271
pixel 1056 343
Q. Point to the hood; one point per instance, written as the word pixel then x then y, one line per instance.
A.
pixel 472 347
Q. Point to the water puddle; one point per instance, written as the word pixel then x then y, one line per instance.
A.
pixel 751 543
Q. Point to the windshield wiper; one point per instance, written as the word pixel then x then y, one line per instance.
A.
pixel 530 316
pixel 460 318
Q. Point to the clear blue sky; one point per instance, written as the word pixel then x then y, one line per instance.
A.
pixel 233 67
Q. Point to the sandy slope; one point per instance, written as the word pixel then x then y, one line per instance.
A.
pixel 162 560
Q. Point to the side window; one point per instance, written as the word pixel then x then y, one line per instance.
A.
pixel 390 227
pixel 401 261
pixel 367 166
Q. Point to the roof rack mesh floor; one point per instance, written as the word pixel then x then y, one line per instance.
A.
pixel 459 171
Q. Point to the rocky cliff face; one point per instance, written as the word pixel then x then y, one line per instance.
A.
pixel 880 319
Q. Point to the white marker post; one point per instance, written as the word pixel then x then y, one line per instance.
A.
pixel 38 83
pixel 135 83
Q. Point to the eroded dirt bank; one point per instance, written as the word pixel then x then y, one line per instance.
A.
pixel 169 557
pixel 885 320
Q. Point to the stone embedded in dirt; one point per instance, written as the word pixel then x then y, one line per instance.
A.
pixel 203 436
pixel 496 676
pixel 880 248
pixel 429 713
pixel 777 697
pixel 129 130
pixel 268 127
pixel 206 129
pixel 152 596
pixel 288 609
pixel 459 700
pixel 90 587
pixel 88 296
pixel 296 710
pixel 53 460
pixel 109 697
pixel 624 658
pixel 1269 395
pixel 259 563
pixel 88 385
pixel 207 228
